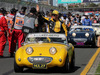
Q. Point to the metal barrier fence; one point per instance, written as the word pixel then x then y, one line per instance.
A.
pixel 8 4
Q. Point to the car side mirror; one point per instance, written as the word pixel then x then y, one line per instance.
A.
pixel 22 44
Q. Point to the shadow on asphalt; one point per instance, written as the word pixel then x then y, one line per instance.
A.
pixel 51 70
pixel 6 57
pixel 9 72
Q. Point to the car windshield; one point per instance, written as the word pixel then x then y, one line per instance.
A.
pixel 80 29
pixel 45 40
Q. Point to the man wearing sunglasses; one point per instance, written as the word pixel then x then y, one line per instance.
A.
pixel 55 25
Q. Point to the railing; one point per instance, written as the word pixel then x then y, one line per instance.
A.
pixel 31 4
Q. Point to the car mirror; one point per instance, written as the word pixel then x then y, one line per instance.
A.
pixel 22 44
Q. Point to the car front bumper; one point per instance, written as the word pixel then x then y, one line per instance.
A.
pixel 81 41
pixel 48 61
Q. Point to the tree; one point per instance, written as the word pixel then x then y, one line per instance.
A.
pixel 99 5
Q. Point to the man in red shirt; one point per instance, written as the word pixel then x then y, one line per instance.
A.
pixel 9 18
pixel 18 35
pixel 3 29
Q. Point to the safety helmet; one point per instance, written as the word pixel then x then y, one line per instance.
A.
pixel 55 12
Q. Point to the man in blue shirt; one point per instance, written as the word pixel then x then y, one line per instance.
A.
pixel 87 21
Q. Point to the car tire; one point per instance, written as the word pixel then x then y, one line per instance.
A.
pixel 73 61
pixel 94 43
pixel 17 69
pixel 66 67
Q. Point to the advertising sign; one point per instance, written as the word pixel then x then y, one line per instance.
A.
pixel 35 1
pixel 69 1
pixel 91 0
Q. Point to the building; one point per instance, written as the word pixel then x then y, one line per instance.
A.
pixel 55 2
pixel 51 2
pixel 34 1
pixel 46 2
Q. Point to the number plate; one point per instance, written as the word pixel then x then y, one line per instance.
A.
pixel 39 66
pixel 80 43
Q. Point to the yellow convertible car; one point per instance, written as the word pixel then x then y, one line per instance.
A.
pixel 43 51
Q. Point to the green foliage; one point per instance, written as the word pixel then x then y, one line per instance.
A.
pixel 73 6
pixel 98 70
pixel 99 5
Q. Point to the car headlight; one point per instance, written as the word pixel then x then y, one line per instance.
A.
pixel 29 50
pixel 87 34
pixel 53 50
pixel 95 29
pixel 74 34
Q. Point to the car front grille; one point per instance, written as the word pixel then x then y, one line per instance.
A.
pixel 40 60
pixel 80 40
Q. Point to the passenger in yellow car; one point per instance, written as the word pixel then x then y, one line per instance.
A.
pixel 55 25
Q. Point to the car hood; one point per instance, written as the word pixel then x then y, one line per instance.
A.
pixel 44 48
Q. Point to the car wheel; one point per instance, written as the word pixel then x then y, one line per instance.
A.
pixel 17 69
pixel 73 61
pixel 66 67
pixel 94 43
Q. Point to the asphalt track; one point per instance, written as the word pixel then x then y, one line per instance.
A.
pixel 82 54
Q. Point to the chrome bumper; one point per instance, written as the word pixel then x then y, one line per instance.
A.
pixel 40 60
pixel 80 40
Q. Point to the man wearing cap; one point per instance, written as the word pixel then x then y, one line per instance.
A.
pixel 55 25
pixel 17 32
pixel 3 29
pixel 87 21
pixel 30 22
pixel 9 18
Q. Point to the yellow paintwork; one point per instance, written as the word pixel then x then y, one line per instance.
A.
pixel 62 51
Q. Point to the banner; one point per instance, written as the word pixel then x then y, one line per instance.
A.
pixel 91 0
pixel 69 1
pixel 35 1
